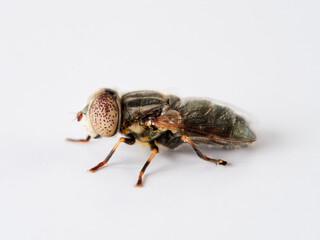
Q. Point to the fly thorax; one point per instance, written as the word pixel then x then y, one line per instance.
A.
pixel 137 127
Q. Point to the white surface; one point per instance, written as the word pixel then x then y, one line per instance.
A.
pixel 262 56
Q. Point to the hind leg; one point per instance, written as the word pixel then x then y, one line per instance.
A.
pixel 186 139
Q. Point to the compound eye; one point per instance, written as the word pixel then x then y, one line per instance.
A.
pixel 104 115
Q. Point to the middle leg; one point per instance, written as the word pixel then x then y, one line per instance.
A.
pixel 154 150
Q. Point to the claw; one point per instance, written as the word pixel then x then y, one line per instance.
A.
pixel 221 162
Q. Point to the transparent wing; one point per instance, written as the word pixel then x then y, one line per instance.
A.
pixel 210 122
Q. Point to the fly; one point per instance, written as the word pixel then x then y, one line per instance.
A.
pixel 154 118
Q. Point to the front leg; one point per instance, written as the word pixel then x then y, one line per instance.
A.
pixel 79 117
pixel 79 140
pixel 129 141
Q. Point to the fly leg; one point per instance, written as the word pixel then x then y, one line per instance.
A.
pixel 186 139
pixel 154 150
pixel 79 140
pixel 79 117
pixel 129 141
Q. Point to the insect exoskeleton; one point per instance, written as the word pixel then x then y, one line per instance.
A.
pixel 102 113
pixel 154 118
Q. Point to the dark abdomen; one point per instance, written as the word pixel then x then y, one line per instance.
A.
pixel 210 123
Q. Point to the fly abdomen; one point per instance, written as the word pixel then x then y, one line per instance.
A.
pixel 241 131
pixel 212 123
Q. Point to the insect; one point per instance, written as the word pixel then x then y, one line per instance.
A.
pixel 154 118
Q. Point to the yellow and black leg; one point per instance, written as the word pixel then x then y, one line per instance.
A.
pixel 154 150
pixel 186 139
pixel 129 141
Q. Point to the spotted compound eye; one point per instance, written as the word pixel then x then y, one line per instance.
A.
pixel 104 115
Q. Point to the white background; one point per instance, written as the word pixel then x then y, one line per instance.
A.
pixel 262 56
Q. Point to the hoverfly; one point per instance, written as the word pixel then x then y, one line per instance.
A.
pixel 154 118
